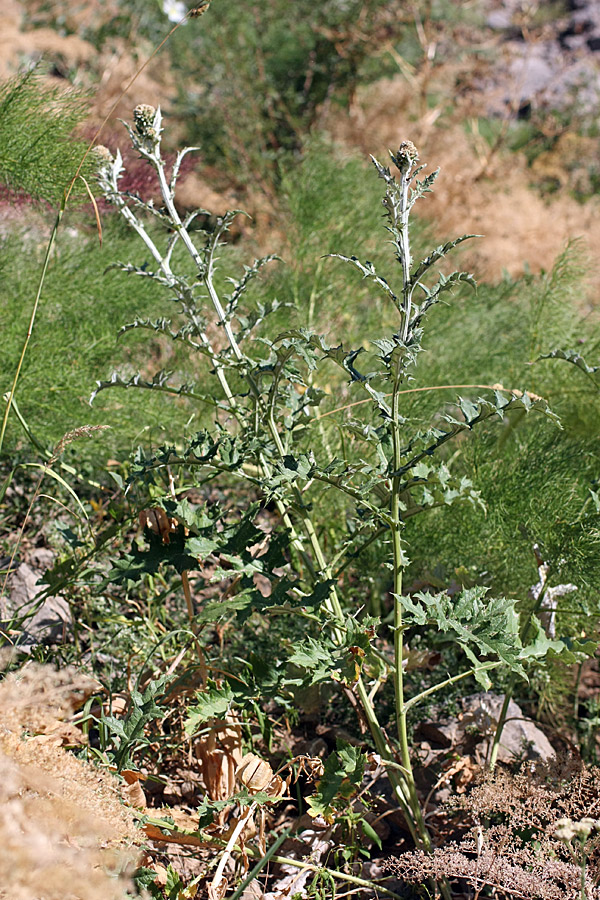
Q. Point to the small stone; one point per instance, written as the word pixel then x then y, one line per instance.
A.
pixel 42 558
pixel 476 727
pixel 46 623
pixel 499 20
pixel 520 736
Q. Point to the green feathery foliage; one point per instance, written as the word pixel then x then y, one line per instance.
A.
pixel 75 341
pixel 38 155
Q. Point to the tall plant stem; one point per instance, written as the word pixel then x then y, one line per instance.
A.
pixel 397 592
pixel 408 786
pixel 403 246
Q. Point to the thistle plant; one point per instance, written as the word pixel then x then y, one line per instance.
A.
pixel 264 393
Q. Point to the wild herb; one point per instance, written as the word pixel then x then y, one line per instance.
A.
pixel 264 392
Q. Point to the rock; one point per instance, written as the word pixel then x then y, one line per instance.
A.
pixel 253 891
pixel 531 72
pixel 552 66
pixel 520 736
pixel 472 731
pixel 42 558
pixel 44 623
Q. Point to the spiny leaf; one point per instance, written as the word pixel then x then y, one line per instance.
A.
pixel 249 273
pixel 160 382
pixel 423 187
pixel 568 650
pixel 573 357
pixel 341 780
pixel 437 254
pixel 292 469
pixel 130 732
pixel 484 627
pixel 443 284
pixel 133 566
pixel 474 412
pixel 213 703
pixel 368 271
pixel 163 326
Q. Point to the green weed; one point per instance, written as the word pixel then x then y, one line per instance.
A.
pixel 266 398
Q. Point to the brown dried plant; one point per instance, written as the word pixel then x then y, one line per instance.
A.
pixel 511 845
pixel 64 832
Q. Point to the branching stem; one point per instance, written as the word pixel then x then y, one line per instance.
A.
pixel 395 525
pixel 305 540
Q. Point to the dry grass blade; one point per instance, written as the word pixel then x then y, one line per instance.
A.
pixel 96 210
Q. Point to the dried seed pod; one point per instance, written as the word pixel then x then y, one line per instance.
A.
pixel 157 520
pixel 255 773
pixel 199 10
pixel 133 795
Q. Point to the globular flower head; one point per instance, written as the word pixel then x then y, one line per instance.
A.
pixel 406 157
pixel 143 117
pixel 102 156
pixel 585 827
pixel 564 830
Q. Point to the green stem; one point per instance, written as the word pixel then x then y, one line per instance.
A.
pixel 501 722
pixel 397 593
pixel 410 789
pixel 341 876
pixel 576 691
pixel 523 635
pixel 395 528
pixel 583 872
pixel 408 786
pixel 442 684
